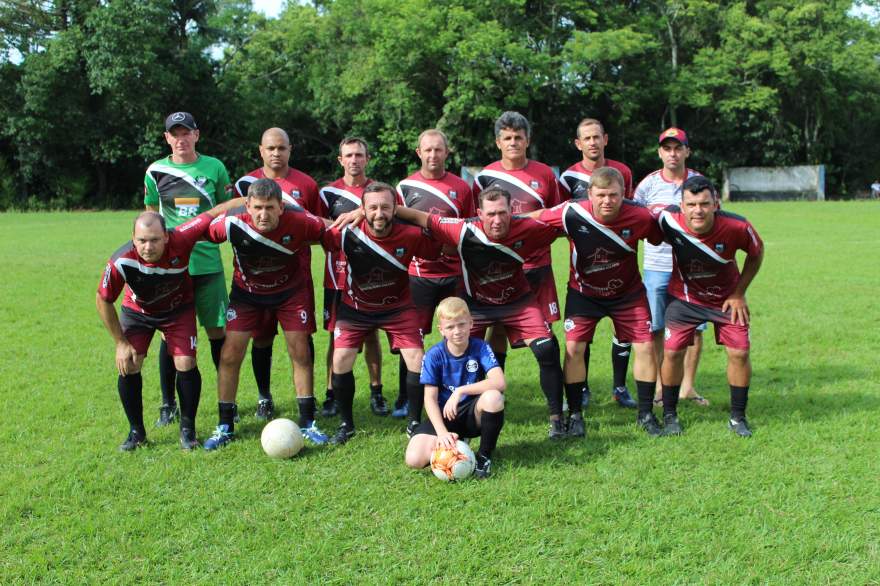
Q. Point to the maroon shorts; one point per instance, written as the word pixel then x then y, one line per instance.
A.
pixel 269 328
pixel 259 314
pixel 630 314
pixel 543 286
pixel 521 318
pixel 428 292
pixel 401 326
pixel 682 319
pixel 179 327
pixel 332 298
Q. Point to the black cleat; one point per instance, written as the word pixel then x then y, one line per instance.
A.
pixel 671 426
pixel 167 414
pixel 740 427
pixel 378 405
pixel 188 439
pixel 483 469
pixel 134 441
pixel 265 409
pixel 329 408
pixel 585 398
pixel 411 427
pixel 576 426
pixel 343 434
pixel 558 429
pixel 623 398
pixel 649 423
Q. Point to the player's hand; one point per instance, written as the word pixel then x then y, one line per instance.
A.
pixel 126 358
pixel 352 218
pixel 447 440
pixel 739 310
pixel 450 409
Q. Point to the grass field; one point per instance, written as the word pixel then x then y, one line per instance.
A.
pixel 798 503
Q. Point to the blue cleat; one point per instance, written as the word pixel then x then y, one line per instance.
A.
pixel 623 398
pixel 314 435
pixel 400 412
pixel 220 438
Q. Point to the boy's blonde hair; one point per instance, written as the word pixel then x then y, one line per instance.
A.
pixel 451 308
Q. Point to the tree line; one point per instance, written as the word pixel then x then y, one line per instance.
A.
pixel 86 84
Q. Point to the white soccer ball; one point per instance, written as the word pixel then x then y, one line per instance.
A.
pixel 281 438
pixel 453 464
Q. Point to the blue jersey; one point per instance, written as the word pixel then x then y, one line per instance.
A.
pixel 447 372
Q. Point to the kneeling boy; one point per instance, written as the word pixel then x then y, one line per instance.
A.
pixel 463 391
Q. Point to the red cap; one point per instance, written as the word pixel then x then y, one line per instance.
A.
pixel 674 134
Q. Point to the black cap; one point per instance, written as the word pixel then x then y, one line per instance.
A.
pixel 180 119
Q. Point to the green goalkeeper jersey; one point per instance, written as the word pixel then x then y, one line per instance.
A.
pixel 182 192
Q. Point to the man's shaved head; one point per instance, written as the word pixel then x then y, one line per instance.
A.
pixel 273 132
pixel 147 219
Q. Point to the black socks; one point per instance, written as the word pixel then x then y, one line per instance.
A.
pixel 130 389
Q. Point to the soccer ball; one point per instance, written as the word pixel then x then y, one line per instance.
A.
pixel 453 464
pixel 281 438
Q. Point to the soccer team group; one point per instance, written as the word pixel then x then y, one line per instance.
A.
pixel 477 257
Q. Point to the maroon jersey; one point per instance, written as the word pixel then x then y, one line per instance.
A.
pixel 577 178
pixel 449 197
pixel 604 259
pixel 704 268
pixel 376 277
pixel 493 270
pixel 337 199
pixel 268 263
pixel 531 188
pixel 297 189
pixel 159 287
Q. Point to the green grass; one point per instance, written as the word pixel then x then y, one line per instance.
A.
pixel 798 503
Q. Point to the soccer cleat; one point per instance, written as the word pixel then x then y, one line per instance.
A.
pixel 483 469
pixel 329 408
pixel 585 398
pixel 557 429
pixel 314 435
pixel 134 441
pixel 188 439
pixel 221 437
pixel 265 409
pixel 671 426
pixel 576 426
pixel 400 411
pixel 343 434
pixel 167 414
pixel 378 405
pixel 648 422
pixel 623 398
pixel 411 427
pixel 740 427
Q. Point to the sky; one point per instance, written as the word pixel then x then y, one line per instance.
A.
pixel 270 8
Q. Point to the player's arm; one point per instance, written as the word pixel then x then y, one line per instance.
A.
pixel 226 206
pixel 432 407
pixel 736 303
pixel 126 355
pixel 352 218
pixel 494 381
pixel 417 217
